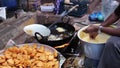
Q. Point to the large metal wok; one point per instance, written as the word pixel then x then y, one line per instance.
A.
pixel 70 30
pixel 42 32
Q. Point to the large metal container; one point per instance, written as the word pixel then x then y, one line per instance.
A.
pixel 92 50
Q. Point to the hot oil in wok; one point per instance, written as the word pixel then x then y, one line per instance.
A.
pixel 59 33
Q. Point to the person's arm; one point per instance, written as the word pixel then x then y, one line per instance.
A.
pixel 111 31
pixel 110 20
pixel 103 27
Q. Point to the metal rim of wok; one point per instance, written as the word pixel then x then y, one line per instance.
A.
pixel 66 26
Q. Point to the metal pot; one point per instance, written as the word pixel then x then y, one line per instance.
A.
pixel 69 29
pixel 91 50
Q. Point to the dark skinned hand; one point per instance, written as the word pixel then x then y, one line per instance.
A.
pixel 92 30
pixel 93 35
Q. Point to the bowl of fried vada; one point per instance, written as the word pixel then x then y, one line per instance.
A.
pixel 32 55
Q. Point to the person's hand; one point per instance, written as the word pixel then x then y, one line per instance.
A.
pixel 91 28
pixel 93 35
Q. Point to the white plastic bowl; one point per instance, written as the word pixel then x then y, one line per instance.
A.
pixel 31 29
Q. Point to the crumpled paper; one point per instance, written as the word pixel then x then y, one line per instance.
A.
pixel 10 43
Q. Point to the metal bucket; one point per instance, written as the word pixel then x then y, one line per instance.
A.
pixel 92 50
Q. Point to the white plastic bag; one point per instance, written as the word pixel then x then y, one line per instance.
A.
pixel 108 7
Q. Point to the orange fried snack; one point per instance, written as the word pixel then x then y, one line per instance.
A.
pixel 29 56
